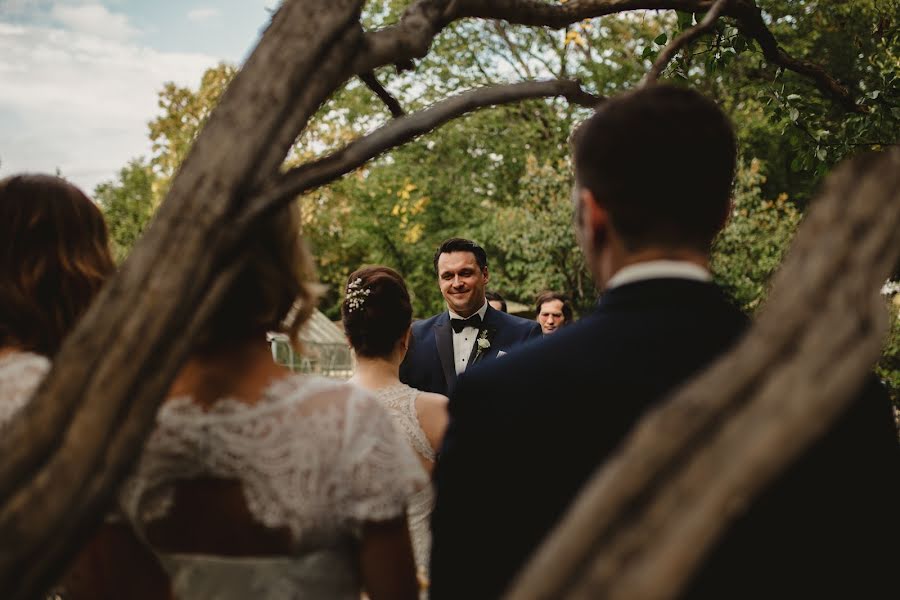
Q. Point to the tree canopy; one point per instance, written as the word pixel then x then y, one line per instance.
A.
pixel 502 176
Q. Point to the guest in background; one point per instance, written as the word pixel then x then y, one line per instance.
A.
pixel 54 258
pixel 552 311
pixel 377 315
pixel 496 301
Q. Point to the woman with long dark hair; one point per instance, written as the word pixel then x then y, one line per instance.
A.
pixel 54 257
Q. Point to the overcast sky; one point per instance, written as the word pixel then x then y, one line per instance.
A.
pixel 79 78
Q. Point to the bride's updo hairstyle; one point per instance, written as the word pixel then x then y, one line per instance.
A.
pixel 376 311
pixel 276 290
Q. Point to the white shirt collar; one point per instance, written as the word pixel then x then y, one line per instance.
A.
pixel 480 312
pixel 658 269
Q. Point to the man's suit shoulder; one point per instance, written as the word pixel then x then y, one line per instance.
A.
pixel 513 323
pixel 423 325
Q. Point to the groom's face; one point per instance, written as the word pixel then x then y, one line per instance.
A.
pixel 462 282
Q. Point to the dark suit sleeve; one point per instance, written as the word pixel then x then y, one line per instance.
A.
pixel 535 331
pixel 459 567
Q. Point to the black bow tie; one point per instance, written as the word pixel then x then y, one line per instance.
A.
pixel 459 324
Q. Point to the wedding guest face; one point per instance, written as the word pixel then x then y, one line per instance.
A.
pixel 462 282
pixel 551 316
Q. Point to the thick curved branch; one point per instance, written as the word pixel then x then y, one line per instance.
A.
pixel 392 103
pixel 410 38
pixel 683 40
pixel 404 129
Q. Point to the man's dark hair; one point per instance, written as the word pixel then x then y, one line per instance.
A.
pixel 661 160
pixel 549 296
pixel 461 245
pixel 496 298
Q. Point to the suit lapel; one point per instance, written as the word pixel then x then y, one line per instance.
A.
pixel 443 338
pixel 475 356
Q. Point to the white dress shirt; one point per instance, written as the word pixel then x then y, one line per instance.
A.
pixel 658 269
pixel 464 341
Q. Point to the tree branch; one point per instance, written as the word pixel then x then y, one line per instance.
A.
pixel 399 131
pixel 392 103
pixel 411 37
pixel 500 28
pixel 752 25
pixel 683 40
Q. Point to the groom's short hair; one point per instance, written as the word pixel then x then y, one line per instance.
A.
pixel 461 245
pixel 661 160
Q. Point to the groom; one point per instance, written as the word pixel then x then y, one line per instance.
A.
pixel 470 331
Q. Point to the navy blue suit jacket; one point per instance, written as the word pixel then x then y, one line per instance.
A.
pixel 526 432
pixel 429 365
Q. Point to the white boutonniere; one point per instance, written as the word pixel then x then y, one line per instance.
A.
pixel 483 343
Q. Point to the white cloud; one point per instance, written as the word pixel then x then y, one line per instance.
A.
pixel 95 19
pixel 80 102
pixel 202 14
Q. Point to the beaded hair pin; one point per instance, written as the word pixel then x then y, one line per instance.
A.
pixel 356 295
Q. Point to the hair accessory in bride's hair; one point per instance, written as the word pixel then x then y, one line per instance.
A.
pixel 356 295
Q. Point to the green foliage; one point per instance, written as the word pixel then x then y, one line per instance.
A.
pixel 753 242
pixel 782 116
pixel 535 240
pixel 128 203
pixel 184 112
pixel 888 367
pixel 453 182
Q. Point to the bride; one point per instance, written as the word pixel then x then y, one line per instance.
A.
pixel 377 315
pixel 258 483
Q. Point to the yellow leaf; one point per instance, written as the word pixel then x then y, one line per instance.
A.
pixel 413 234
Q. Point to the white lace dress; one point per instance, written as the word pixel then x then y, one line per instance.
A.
pixel 315 456
pixel 20 374
pixel 400 400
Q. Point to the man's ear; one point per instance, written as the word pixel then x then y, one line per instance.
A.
pixel 594 218
pixel 486 275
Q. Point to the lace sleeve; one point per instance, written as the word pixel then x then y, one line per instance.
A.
pixel 313 455
pixel 380 469
pixel 20 374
